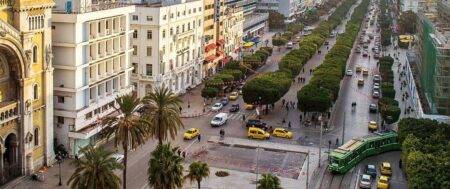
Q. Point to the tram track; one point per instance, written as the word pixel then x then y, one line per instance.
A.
pixel 337 181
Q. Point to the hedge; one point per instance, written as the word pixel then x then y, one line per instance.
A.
pixel 324 86
pixel 389 109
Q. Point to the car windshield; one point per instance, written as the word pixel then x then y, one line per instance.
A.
pixel 383 180
pixel 217 119
pixel 216 105
pixel 365 178
pixel 189 131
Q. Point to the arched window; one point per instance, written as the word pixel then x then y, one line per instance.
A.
pixel 35 91
pixel 36 137
pixel 35 53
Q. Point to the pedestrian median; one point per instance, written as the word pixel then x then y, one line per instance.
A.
pixel 270 146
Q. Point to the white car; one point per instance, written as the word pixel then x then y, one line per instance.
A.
pixel 217 106
pixel 349 73
pixel 290 45
pixel 365 181
pixel 376 94
pixel 118 157
pixel 219 119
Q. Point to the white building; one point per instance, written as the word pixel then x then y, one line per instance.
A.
pixel 288 8
pixel 92 67
pixel 233 30
pixel 167 43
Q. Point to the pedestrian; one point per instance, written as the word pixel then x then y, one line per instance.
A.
pixel 337 141
pixel 310 71
pixel 400 163
pixel 199 137
pixel 283 101
pixel 243 118
pixel 289 124
pixel 303 70
pixel 287 107
pixel 284 121
pixel 301 117
pixel 180 108
pixel 401 87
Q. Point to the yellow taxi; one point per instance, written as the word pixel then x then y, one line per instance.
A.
pixel 257 133
pixel 233 96
pixel 365 71
pixel 249 106
pixel 360 82
pixel 383 182
pixel 191 133
pixel 385 169
pixel 373 126
pixel 358 68
pixel 282 133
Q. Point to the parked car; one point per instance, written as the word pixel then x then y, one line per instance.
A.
pixel 349 72
pixel 376 94
pixel 376 78
pixel 256 123
pixel 118 157
pixel 365 181
pixel 224 101
pixel 234 108
pixel 385 169
pixel 191 133
pixel 217 106
pixel 219 119
pixel 359 68
pixel 282 133
pixel 365 71
pixel 233 95
pixel 289 45
pixel 373 108
pixel 383 182
pixel 373 126
pixel 257 133
pixel 371 170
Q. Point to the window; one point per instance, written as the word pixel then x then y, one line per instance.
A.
pixel 135 34
pixel 189 26
pixel 135 67
pixel 61 99
pixel 171 15
pixel 88 115
pixel 35 91
pixel 171 31
pixel 178 14
pixel 36 137
pixel 135 17
pixel 35 53
pixel 164 17
pixel 183 28
pixel 149 34
pixel 164 33
pixel 149 69
pixel 199 8
pixel 149 18
pixel 178 29
pixel 184 12
pixel 149 51
pixel 60 119
pixel 189 11
pixel 134 50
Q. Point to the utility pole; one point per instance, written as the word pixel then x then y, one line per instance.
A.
pixel 343 130
pixel 257 159
pixel 320 140
pixel 307 172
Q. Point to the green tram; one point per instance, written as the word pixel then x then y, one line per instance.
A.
pixel 352 152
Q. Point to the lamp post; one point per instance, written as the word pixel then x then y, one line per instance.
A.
pixel 59 159
pixel 257 159
pixel 320 140
pixel 329 147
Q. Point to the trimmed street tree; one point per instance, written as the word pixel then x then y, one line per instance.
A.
pixel 197 171
pixel 269 181
pixel 165 168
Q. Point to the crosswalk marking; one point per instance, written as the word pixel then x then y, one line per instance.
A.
pixel 234 115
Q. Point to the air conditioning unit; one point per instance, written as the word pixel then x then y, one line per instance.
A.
pixel 107 32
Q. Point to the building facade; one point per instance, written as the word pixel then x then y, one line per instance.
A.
pixel 434 55
pixel 91 43
pixel 254 22
pixel 233 28
pixel 167 43
pixel 289 8
pixel 26 104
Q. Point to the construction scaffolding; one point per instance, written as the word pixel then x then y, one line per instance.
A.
pixel 434 48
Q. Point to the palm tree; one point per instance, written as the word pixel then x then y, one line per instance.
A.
pixel 197 171
pixel 163 111
pixel 95 170
pixel 129 129
pixel 165 169
pixel 269 181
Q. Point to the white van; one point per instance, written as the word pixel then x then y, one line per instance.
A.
pixel 219 119
pixel 289 45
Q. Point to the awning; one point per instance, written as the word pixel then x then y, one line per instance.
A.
pixel 210 47
pixel 256 39
pixel 210 58
pixel 221 42
pixel 248 44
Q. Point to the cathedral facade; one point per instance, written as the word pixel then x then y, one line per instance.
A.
pixel 26 87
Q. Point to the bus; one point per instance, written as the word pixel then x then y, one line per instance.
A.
pixel 352 152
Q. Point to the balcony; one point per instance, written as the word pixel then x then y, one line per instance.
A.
pixel 184 34
pixel 95 6
pixel 9 111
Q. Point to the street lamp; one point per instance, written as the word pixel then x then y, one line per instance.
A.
pixel 320 140
pixel 329 146
pixel 59 159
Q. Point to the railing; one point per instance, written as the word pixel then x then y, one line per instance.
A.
pixel 8 111
pixel 99 6
pixel 9 30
